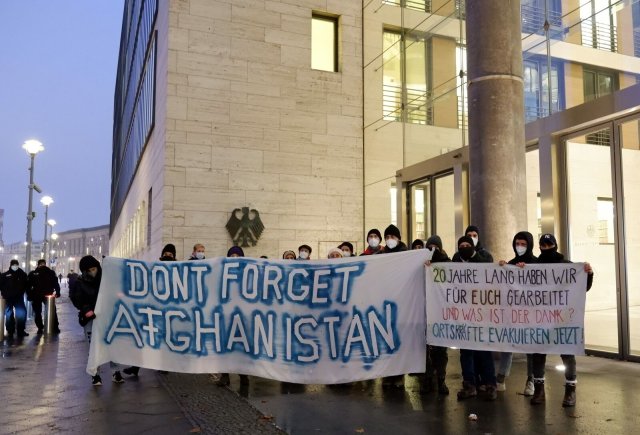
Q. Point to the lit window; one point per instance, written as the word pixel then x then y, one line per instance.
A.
pixel 324 43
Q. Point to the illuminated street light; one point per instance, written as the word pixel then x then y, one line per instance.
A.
pixel 46 201
pixel 32 147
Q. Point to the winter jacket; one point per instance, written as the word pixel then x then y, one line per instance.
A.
pixel 13 284
pixel 528 256
pixel 400 248
pixel 553 256
pixel 42 282
pixel 84 295
pixel 372 251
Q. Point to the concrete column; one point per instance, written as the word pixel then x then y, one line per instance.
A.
pixel 497 165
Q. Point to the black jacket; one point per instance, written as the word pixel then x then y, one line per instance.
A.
pixel 553 256
pixel 400 248
pixel 528 256
pixel 83 293
pixel 13 284
pixel 43 281
pixel 475 259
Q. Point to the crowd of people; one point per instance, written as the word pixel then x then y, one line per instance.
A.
pixel 479 373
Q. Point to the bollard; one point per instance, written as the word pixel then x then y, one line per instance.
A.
pixel 3 305
pixel 27 304
pixel 51 306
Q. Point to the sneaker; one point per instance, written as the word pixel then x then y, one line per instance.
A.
pixel 117 377
pixel 529 389
pixel 96 380
pixel 501 386
pixel 490 393
pixel 23 334
pixel 467 391
pixel 131 371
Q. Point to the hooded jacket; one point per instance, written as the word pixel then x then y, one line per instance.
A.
pixel 13 284
pixel 83 293
pixel 485 255
pixel 552 255
pixel 528 256
pixel 400 248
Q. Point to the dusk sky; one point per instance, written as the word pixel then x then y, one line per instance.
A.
pixel 57 72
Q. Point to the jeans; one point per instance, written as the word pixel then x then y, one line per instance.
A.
pixel 17 304
pixel 569 361
pixel 477 363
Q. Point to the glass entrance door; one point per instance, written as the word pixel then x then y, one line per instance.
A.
pixel 591 227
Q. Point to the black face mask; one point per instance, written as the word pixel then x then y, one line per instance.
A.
pixel 167 258
pixel 467 252
pixel 548 253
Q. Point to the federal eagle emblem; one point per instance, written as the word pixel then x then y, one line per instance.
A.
pixel 245 226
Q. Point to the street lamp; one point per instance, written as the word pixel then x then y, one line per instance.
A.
pixel 32 147
pixel 46 201
pixel 51 223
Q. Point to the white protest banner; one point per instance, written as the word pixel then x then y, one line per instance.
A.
pixel 326 321
pixel 485 306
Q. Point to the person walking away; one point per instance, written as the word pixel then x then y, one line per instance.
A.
pixel 43 282
pixel 13 285
pixel 523 248
pixel 549 255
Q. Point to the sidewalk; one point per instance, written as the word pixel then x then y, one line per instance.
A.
pixel 44 388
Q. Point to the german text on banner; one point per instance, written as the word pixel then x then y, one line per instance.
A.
pixel 482 306
pixel 327 321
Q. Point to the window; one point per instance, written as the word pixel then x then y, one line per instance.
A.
pixel 536 88
pixel 324 43
pixel 533 17
pixel 418 5
pixel 406 78
pixel 598 84
pixel 598 24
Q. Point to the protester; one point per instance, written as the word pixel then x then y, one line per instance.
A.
pixel 347 249
pixel 373 242
pixel 84 295
pixel 523 248
pixel 198 252
pixel 334 253
pixel 437 358
pixel 549 254
pixel 475 362
pixel 417 244
pixel 473 232
pixel 304 252
pixel 43 282
pixel 168 252
pixel 224 380
pixel 289 255
pixel 13 285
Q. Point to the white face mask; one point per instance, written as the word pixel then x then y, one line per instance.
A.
pixel 392 243
pixel 373 242
pixel 346 254
pixel 520 250
pixel 199 255
pixel 475 241
pixel 14 267
pixel 303 254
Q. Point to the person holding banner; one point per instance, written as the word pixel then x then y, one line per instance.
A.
pixel 289 255
pixel 347 249
pixel 334 253
pixel 83 293
pixel 437 358
pixel 475 362
pixel 523 248
pixel 224 380
pixel 198 252
pixel 549 254
pixel 373 242
pixel 417 244
pixel 473 232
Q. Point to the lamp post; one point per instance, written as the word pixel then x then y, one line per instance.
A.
pixel 32 147
pixel 46 201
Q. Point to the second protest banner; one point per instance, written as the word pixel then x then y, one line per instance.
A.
pixel 535 309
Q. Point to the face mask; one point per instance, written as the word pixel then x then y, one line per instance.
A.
pixel 199 255
pixel 304 255
pixel 374 242
pixel 467 252
pixel 475 241
pixel 166 258
pixel 392 243
pixel 521 250
pixel 346 254
pixel 14 267
pixel 92 274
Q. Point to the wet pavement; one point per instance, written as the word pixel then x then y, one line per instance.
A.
pixel 45 388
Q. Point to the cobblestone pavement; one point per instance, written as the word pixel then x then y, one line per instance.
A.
pixel 44 389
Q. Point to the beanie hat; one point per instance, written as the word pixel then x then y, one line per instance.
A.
pixel 347 244
pixel 463 239
pixel 14 261
pixel 548 239
pixel 87 262
pixel 417 242
pixel 472 228
pixel 169 247
pixel 288 252
pixel 375 232
pixel 434 240
pixel 307 247
pixel 235 250
pixel 334 251
pixel 392 230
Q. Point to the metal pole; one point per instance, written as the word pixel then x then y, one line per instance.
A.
pixel 2 309
pixel 51 306
pixel 27 265
pixel 44 240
